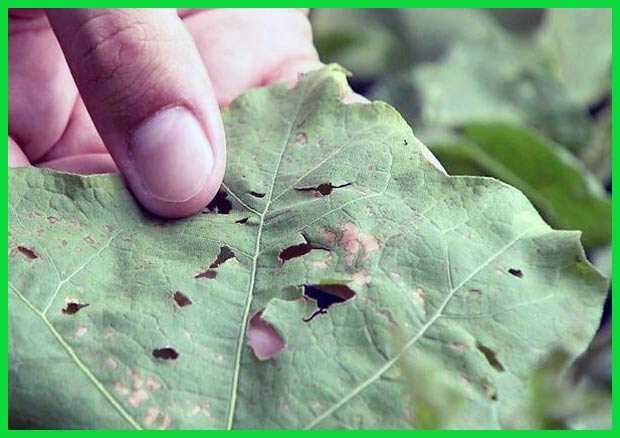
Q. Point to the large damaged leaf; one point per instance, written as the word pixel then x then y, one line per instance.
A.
pixel 329 214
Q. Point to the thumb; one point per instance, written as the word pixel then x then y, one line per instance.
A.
pixel 149 95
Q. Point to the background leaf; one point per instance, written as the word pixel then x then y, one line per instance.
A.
pixel 555 181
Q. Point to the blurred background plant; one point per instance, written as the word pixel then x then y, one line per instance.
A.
pixel 521 95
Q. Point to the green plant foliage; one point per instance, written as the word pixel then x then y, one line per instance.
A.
pixel 554 180
pixel 121 320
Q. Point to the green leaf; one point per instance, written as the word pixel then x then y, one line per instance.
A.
pixel 577 43
pixel 374 42
pixel 560 187
pixel 498 80
pixel 464 267
pixel 597 154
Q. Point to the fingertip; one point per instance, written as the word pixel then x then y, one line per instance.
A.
pixel 172 168
pixel 17 158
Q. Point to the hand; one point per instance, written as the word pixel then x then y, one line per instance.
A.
pixel 152 82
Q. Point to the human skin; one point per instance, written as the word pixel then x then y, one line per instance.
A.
pixel 152 81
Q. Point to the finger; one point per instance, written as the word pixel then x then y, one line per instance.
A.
pixel 150 98
pixel 16 156
pixel 265 41
pixel 84 164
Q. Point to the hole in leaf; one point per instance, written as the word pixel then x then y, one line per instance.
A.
pixel 491 357
pixel 224 255
pixel 294 251
pixel 26 252
pixel 181 299
pixel 516 272
pixel 298 250
pixel 257 194
pixel 242 220
pixel 165 353
pixel 322 189
pixel 325 295
pixel 72 308
pixel 262 338
pixel 219 204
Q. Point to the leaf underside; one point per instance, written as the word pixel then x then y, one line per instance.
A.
pixel 462 267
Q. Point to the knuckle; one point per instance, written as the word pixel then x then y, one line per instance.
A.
pixel 116 58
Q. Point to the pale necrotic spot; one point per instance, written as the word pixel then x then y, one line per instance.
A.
pixel 358 246
pixel 516 272
pixel 224 255
pixel 165 353
pixel 111 363
pixel 328 235
pixel 181 299
pixel 138 397
pixel 301 138
pixel 322 189
pixel 257 194
pixel 151 415
pixel 72 308
pixel 361 277
pixel 325 295
pixel 219 204
pixel 81 332
pixel 262 338
pixel 491 357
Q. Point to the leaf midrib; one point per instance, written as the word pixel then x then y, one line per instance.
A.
pixel 257 251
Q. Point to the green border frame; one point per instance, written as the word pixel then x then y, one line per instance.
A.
pixel 357 4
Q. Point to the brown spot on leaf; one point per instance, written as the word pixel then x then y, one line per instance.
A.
pixel 242 220
pixel 516 272
pixel 419 297
pixel 489 388
pixel 473 295
pixel 181 299
pixel 257 194
pixel 219 204
pixel 262 338
pixel 166 353
pixel 387 315
pixel 301 138
pixel 322 189
pixel 224 255
pixel 458 346
pixel 72 308
pixel 89 240
pixel 491 357
pixel 52 219
pixel 28 253
pixel 358 246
